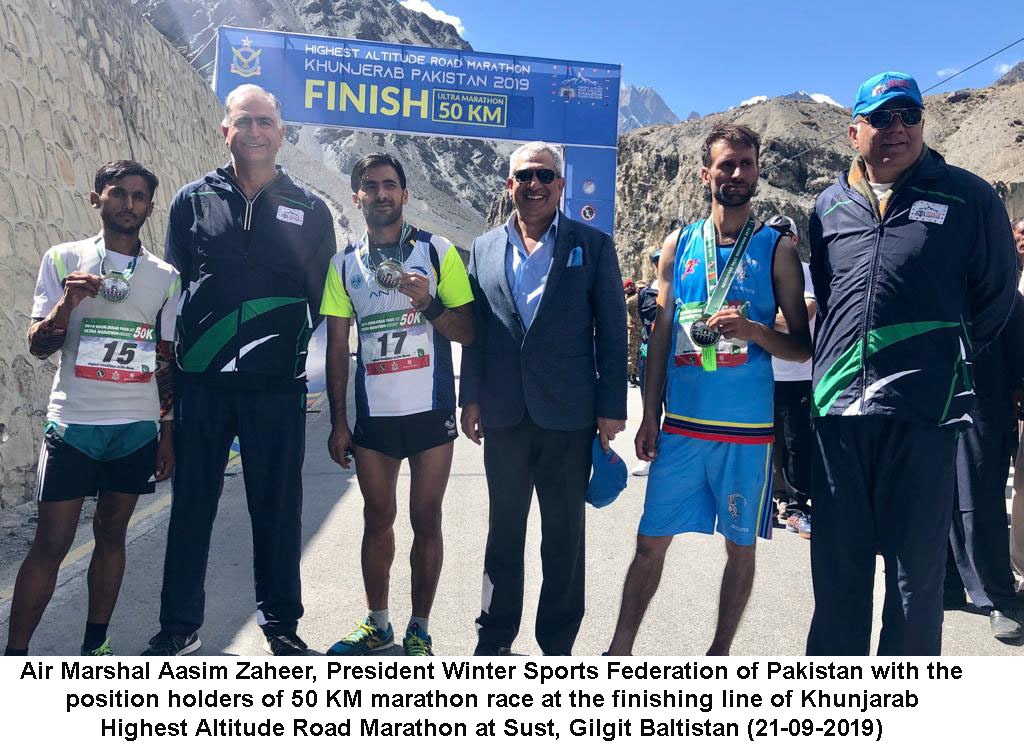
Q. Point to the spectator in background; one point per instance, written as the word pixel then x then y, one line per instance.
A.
pixel 632 330
pixel 978 561
pixel 793 440
pixel 647 308
pixel 979 558
pixel 1018 237
pixel 1017 513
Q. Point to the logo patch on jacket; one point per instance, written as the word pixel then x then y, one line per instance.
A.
pixel 290 215
pixel 929 212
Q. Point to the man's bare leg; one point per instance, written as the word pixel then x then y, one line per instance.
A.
pixel 378 479
pixel 737 581
pixel 37 576
pixel 430 470
pixel 637 591
pixel 106 569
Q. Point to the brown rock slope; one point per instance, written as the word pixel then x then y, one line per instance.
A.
pixel 804 146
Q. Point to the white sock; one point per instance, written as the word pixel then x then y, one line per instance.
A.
pixel 422 622
pixel 379 618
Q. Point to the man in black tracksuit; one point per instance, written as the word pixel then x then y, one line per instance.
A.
pixel 253 250
pixel 913 266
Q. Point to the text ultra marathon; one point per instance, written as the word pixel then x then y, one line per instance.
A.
pixel 388 101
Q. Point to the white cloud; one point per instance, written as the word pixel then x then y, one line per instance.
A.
pixel 946 71
pixel 423 6
pixel 753 100
pixel 1002 68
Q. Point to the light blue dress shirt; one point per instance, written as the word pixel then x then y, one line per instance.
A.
pixel 528 273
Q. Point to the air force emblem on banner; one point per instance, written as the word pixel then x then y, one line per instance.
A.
pixel 246 62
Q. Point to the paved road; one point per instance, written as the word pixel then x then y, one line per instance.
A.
pixel 681 619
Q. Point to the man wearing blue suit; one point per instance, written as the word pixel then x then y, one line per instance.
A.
pixel 547 370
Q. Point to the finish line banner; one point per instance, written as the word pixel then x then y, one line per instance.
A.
pixel 379 86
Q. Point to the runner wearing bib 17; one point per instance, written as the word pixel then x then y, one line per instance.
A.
pixel 720 281
pixel 409 294
pixel 109 306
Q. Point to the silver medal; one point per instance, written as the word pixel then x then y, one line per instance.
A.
pixel 388 274
pixel 702 335
pixel 114 287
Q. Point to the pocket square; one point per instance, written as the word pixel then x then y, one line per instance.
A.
pixel 575 257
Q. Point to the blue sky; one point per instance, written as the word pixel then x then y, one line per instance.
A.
pixel 707 56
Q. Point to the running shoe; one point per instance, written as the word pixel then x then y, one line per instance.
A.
pixel 102 650
pixel 171 644
pixel 285 644
pixel 803 526
pixel 364 640
pixel 417 643
pixel 642 468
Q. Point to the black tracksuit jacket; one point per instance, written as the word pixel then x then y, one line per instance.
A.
pixel 253 275
pixel 908 292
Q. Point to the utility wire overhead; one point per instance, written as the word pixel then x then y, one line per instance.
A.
pixel 944 80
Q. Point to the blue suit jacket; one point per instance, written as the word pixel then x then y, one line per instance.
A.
pixel 570 367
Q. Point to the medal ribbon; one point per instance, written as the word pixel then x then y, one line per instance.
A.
pixel 718 287
pixel 406 232
pixel 101 251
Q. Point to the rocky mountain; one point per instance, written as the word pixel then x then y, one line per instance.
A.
pixel 642 106
pixel 1014 75
pixel 804 134
pixel 818 98
pixel 804 146
pixel 810 98
pixel 450 181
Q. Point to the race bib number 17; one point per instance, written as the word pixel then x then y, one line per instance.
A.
pixel 117 351
pixel 394 341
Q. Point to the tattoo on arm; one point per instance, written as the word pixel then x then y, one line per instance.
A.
pixel 45 338
pixel 165 377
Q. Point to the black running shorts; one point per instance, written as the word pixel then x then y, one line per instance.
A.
pixel 65 473
pixel 402 436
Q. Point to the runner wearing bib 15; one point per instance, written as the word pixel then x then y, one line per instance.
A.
pixel 108 305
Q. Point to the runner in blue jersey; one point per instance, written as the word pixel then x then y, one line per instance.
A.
pixel 721 280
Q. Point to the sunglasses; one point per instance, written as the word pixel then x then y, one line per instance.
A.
pixel 882 118
pixel 544 176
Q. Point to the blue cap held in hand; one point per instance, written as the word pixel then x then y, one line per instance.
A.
pixel 609 476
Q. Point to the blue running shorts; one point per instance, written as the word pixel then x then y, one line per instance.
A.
pixel 694 482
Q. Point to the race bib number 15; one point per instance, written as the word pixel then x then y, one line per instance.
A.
pixel 117 351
